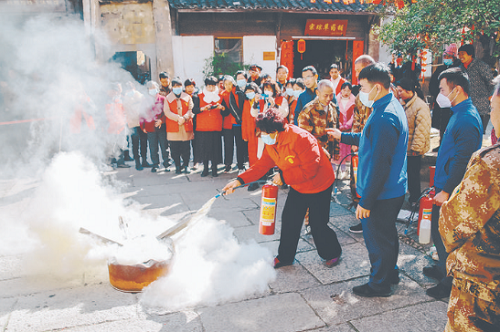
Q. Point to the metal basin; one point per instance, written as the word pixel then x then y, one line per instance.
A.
pixel 133 278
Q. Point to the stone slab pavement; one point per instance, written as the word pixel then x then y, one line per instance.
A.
pixel 304 297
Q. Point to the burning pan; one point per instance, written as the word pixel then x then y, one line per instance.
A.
pixel 133 278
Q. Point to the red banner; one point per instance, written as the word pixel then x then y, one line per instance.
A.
pixel 325 27
pixel 358 48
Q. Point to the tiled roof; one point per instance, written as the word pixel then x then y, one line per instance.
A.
pixel 288 5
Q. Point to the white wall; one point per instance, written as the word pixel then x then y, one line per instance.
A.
pixel 253 48
pixel 190 53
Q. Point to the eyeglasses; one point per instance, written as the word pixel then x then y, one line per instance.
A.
pixel 308 77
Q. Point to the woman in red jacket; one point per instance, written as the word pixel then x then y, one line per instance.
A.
pixel 305 167
pixel 153 124
pixel 209 126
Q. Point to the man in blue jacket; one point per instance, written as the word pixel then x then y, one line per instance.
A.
pixel 462 137
pixel 381 177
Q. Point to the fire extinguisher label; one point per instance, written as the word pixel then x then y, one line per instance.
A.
pixel 268 210
pixel 426 214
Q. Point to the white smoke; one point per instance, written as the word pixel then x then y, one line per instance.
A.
pixel 48 74
pixel 211 267
pixel 72 195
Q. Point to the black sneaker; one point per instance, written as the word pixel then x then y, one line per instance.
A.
pixel 227 169
pixel 123 166
pixel 139 167
pixel 277 264
pixel 356 229
pixel 366 291
pixel 439 291
pixel 432 272
pixel 154 169
pixel 204 173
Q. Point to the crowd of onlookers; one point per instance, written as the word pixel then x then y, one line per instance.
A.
pixel 212 122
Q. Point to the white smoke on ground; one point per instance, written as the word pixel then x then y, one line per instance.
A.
pixel 210 267
pixel 72 195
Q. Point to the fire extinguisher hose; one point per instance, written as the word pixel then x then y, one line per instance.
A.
pixel 242 186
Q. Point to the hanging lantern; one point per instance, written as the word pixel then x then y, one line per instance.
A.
pixel 301 47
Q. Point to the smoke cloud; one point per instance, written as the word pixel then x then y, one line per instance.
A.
pixel 211 267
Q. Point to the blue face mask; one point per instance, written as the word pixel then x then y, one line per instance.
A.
pixel 448 62
pixel 289 92
pixel 297 93
pixel 241 83
pixel 177 91
pixel 250 95
pixel 267 139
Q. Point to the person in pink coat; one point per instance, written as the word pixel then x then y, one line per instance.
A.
pixel 345 100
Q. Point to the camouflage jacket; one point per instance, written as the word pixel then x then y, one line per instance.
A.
pixel 315 120
pixel 360 116
pixel 470 225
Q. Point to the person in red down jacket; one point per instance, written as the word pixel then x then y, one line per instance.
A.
pixel 154 125
pixel 305 167
pixel 209 126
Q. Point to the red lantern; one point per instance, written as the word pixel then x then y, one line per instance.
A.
pixel 301 47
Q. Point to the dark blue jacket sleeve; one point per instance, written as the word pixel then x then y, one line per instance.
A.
pixel 350 138
pixel 466 140
pixel 383 140
pixel 298 109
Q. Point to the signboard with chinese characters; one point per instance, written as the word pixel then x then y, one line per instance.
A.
pixel 325 27
pixel 269 56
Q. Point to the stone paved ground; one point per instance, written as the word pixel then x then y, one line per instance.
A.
pixel 304 297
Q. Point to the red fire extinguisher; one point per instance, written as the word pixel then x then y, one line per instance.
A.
pixel 268 209
pixel 424 217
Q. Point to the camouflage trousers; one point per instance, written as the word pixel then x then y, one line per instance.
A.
pixel 473 308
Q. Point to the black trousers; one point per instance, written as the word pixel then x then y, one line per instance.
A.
pixel 139 144
pixel 438 243
pixel 413 165
pixel 232 136
pixel 158 137
pixel 382 242
pixel 292 218
pixel 180 149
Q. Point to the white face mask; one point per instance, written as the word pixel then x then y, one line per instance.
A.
pixel 443 101
pixel 363 97
pixel 153 92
